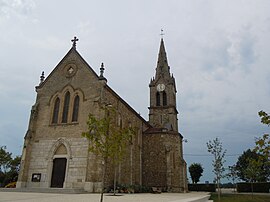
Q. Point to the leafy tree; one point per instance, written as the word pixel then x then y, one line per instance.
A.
pixel 5 158
pixel 195 170
pixel 263 146
pixel 215 148
pixel 243 164
pixel 232 174
pixel 15 164
pixel 14 169
pixel 9 167
pixel 265 118
pixel 253 171
pixel 263 143
pixel 107 140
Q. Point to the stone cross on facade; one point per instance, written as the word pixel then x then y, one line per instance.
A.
pixel 74 41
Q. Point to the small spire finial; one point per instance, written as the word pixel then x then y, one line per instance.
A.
pixel 162 33
pixel 74 41
pixel 101 77
pixel 42 77
pixel 102 69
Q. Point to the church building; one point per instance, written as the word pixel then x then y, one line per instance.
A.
pixel 55 155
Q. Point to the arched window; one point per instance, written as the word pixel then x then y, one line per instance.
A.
pixel 75 109
pixel 65 108
pixel 158 99
pixel 164 98
pixel 119 121
pixel 56 110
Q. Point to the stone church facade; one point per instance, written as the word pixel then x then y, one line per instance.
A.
pixel 55 155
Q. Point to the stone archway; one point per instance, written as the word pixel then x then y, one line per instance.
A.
pixel 59 156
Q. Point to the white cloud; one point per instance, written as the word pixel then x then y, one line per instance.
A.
pixel 16 8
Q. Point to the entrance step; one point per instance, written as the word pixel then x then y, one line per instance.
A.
pixel 45 190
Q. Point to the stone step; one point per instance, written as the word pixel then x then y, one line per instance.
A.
pixel 45 190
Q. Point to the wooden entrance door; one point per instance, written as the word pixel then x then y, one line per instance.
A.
pixel 58 172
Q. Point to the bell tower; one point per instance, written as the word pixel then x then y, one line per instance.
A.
pixel 162 110
pixel 163 163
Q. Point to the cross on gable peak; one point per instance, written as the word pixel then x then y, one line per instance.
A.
pixel 74 41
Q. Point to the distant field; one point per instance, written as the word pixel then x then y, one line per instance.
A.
pixel 240 198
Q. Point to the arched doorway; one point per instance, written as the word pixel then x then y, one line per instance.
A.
pixel 59 167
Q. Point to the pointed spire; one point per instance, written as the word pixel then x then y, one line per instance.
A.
pixel 162 64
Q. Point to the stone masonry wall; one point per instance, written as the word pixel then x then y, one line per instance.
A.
pixel 84 169
pixel 163 162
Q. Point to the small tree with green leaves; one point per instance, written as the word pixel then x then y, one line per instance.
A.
pixel 107 140
pixel 195 170
pixel 265 118
pixel 232 174
pixel 253 171
pixel 243 163
pixel 9 167
pixel 263 143
pixel 215 148
pixel 5 159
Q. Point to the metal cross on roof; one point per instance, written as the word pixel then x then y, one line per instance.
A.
pixel 161 33
pixel 74 41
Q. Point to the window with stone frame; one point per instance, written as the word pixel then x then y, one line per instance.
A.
pixel 56 110
pixel 75 113
pixel 66 107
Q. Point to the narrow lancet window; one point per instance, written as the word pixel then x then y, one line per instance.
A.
pixel 56 110
pixel 75 109
pixel 65 108
pixel 164 98
pixel 158 99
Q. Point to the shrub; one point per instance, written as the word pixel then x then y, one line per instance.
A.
pixel 202 187
pixel 259 187
pixel 126 188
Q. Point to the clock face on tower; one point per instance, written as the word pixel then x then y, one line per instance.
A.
pixel 160 87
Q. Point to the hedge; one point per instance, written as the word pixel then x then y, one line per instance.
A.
pixel 202 187
pixel 259 187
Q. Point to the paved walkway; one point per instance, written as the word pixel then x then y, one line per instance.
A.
pixel 49 197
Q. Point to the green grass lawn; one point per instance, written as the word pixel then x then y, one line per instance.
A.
pixel 240 198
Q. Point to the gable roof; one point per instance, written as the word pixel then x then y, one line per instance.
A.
pixel 61 61
pixel 73 49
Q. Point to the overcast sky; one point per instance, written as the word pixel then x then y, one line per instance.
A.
pixel 218 51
